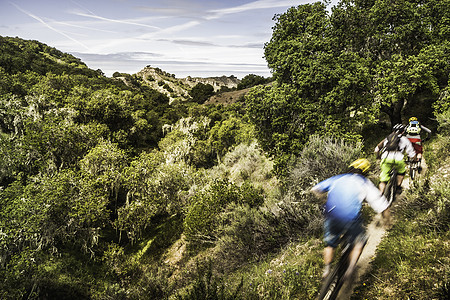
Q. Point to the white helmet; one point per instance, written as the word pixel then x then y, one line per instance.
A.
pixel 413 127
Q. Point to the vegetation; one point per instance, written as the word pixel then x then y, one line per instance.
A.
pixel 107 191
pixel 201 92
pixel 252 80
pixel 341 72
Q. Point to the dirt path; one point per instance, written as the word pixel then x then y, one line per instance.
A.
pixel 376 232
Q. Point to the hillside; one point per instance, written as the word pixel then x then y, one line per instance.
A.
pixel 18 55
pixel 178 88
pixel 124 188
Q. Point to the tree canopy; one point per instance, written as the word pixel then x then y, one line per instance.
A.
pixel 339 72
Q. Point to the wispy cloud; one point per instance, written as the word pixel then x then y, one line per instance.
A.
pixel 49 26
pixel 127 22
pixel 81 27
pixel 260 4
pixel 189 42
pixel 120 56
pixel 181 27
pixel 209 44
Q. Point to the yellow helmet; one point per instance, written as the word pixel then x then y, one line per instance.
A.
pixel 412 119
pixel 362 164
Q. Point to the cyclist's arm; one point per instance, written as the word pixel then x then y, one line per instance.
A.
pixel 428 131
pixel 379 146
pixel 374 197
pixel 408 147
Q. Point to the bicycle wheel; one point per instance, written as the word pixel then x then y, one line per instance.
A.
pixel 330 289
pixel 413 170
pixel 333 283
pixel 391 188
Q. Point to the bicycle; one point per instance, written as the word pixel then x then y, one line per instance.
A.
pixel 391 186
pixel 334 281
pixel 414 168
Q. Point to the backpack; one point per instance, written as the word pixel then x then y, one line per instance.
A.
pixel 392 142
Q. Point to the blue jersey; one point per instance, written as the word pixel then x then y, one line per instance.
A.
pixel 346 192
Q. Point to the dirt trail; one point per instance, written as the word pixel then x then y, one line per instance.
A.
pixel 376 232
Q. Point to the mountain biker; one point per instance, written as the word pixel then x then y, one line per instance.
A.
pixel 392 156
pixel 413 131
pixel 342 210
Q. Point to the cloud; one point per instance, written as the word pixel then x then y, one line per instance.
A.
pixel 260 4
pixel 49 26
pixel 81 26
pixel 249 45
pixel 190 42
pixel 127 22
pixel 209 44
pixel 133 62
pixel 119 56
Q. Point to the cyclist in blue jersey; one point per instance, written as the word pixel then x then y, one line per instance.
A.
pixel 346 193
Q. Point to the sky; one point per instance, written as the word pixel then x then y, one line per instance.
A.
pixel 197 38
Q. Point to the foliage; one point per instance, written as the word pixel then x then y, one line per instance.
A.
pixel 42 220
pixel 18 55
pixel 201 92
pixel 228 133
pixel 442 112
pixel 106 188
pixel 206 286
pixel 321 158
pixel 329 78
pixel 154 187
pixel 251 80
pixel 283 124
pixel 201 218
pixel 293 273
pixel 443 103
pixel 247 162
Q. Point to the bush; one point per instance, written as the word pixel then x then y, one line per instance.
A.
pixel 251 80
pixel 321 158
pixel 207 286
pixel 201 92
pixel 201 219
pixel 444 121
pixel 248 162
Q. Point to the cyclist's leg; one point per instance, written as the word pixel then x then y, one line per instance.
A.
pixel 419 151
pixel 332 233
pixel 328 254
pixel 401 169
pixel 353 259
pixel 359 239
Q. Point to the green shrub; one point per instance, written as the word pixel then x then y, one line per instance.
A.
pixel 207 286
pixel 246 235
pixel 444 121
pixel 322 157
pixel 201 219
pixel 250 195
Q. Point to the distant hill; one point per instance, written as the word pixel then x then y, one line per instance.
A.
pixel 176 88
pixel 18 55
